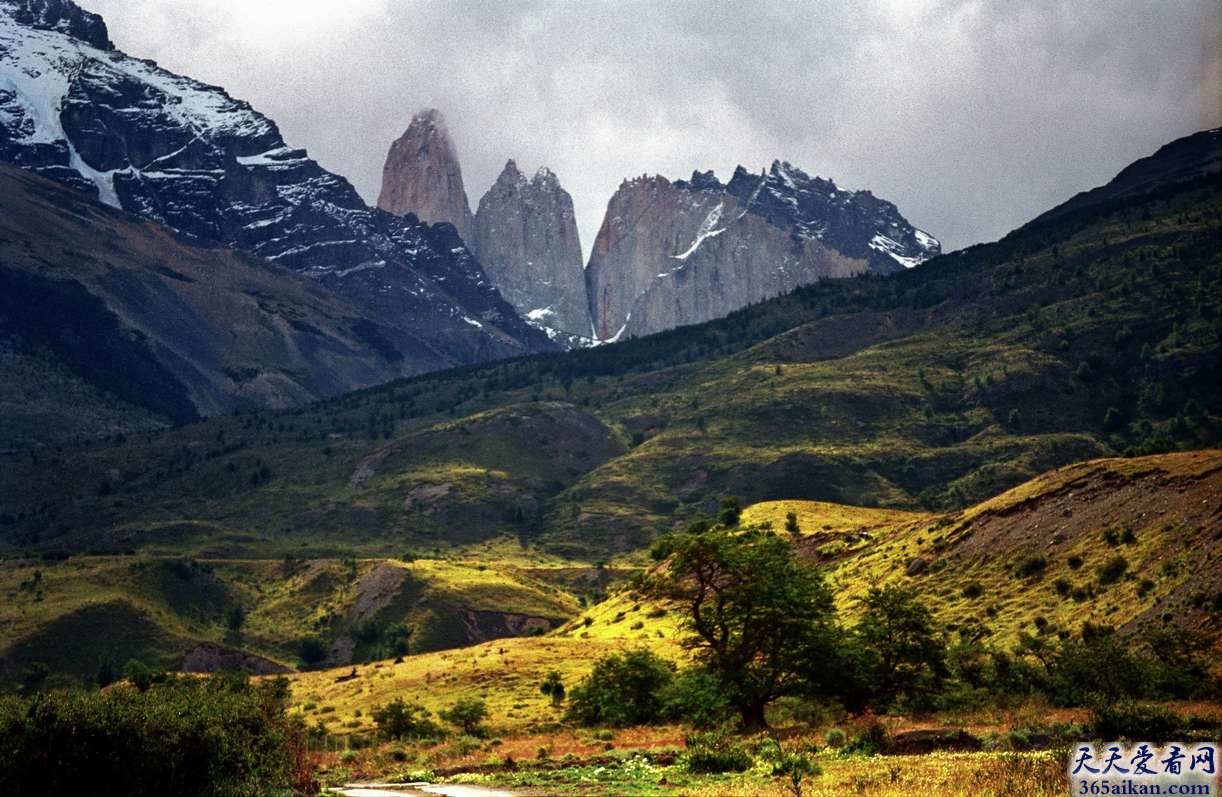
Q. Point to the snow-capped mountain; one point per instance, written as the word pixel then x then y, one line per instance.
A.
pixel 177 151
pixel 670 254
pixel 856 224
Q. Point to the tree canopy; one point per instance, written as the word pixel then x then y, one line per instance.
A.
pixel 760 619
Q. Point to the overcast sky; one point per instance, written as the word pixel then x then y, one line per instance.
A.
pixel 971 116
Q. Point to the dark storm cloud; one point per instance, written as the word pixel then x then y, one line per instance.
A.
pixel 971 116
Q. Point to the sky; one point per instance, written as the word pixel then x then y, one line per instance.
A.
pixel 971 116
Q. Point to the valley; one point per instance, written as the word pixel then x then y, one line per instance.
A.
pixel 767 494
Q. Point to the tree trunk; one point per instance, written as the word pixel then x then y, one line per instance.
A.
pixel 752 717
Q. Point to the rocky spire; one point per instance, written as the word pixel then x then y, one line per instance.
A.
pixel 526 240
pixel 422 175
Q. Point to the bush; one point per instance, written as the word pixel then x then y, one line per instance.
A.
pixel 795 768
pixel 311 650
pixel 553 687
pixel 1136 722
pixel 400 720
pixel 1031 566
pixel 713 753
pixel 1099 667
pixel 730 511
pixel 192 737
pixel 696 697
pixel 1112 570
pixel 871 739
pixel 467 715
pixel 622 689
pixel 835 738
pixel 972 590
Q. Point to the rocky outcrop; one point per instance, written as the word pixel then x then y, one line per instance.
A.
pixel 209 657
pixel 526 239
pixel 176 151
pixel 422 176
pixel 670 254
pixel 63 16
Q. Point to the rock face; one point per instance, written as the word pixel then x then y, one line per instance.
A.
pixel 526 238
pixel 422 176
pixel 63 16
pixel 179 152
pixel 670 254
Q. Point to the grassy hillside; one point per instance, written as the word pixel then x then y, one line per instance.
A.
pixel 1090 335
pixel 89 613
pixel 1043 558
pixel 1161 513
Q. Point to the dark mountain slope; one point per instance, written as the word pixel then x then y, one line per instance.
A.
pixel 1097 333
pixel 1186 159
pixel 121 324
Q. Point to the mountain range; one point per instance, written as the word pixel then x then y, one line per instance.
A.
pixel 417 284
pixel 668 254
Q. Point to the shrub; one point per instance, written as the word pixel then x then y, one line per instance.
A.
pixel 1126 719
pixel 466 714
pixel 713 753
pixel 795 768
pixel 1074 562
pixel 696 697
pixel 835 738
pixel 553 687
pixel 872 739
pixel 311 650
pixel 729 512
pixel 400 720
pixel 1112 570
pixel 1031 566
pixel 191 737
pixel 622 689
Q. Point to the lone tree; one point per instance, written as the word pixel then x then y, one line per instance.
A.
pixel 553 687
pixel 759 619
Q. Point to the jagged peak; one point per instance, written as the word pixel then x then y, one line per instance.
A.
pixel 793 176
pixel 61 16
pixel 545 178
pixel 702 181
pixel 511 176
pixel 429 117
pixel 644 179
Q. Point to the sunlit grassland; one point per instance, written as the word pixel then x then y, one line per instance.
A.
pixel 162 606
pixel 506 673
